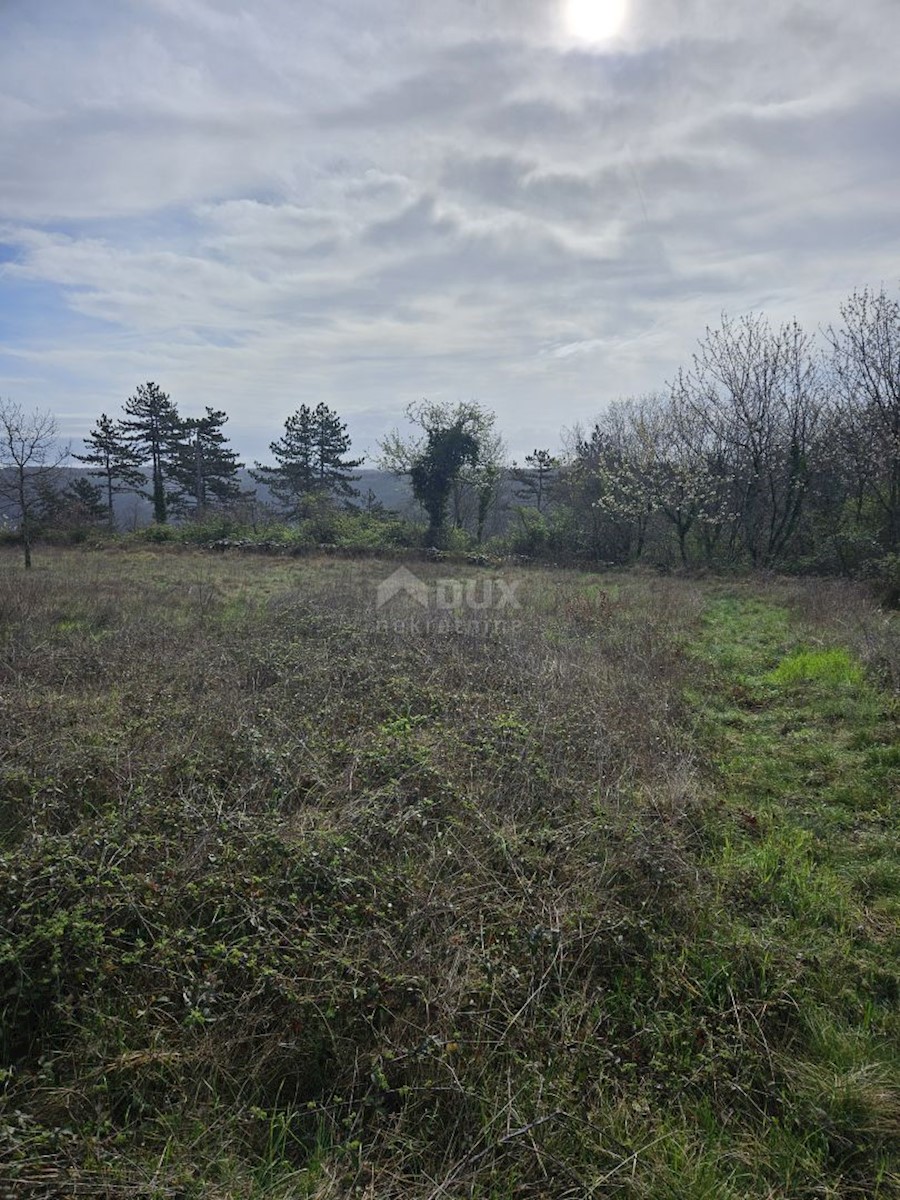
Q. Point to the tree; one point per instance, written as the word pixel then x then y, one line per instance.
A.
pixel 457 448
pixel 78 505
pixel 664 469
pixel 30 456
pixel 85 503
pixel 476 488
pixel 294 476
pixel 644 465
pixel 113 459
pixel 610 484
pixel 865 361
pixel 332 442
pixel 687 487
pixel 756 394
pixel 535 478
pixel 310 461
pixel 203 469
pixel 154 427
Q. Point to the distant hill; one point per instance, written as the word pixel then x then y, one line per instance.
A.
pixel 135 512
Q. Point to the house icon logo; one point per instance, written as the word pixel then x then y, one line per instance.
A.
pixel 402 582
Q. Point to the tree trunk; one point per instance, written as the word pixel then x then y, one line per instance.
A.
pixel 682 547
pixel 198 483
pixel 109 503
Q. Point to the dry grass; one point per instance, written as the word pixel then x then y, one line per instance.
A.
pixel 303 901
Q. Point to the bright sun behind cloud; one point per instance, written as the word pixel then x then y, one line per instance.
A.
pixel 594 21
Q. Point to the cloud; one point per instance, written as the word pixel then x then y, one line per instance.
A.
pixel 270 204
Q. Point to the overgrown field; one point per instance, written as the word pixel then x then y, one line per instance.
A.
pixel 590 891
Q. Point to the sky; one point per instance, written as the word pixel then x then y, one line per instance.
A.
pixel 538 205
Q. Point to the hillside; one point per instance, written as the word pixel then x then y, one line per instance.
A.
pixel 482 884
pixel 134 511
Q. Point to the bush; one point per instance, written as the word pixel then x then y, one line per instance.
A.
pixel 158 534
pixel 885 574
pixel 531 536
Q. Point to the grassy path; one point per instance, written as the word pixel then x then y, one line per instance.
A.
pixel 804 854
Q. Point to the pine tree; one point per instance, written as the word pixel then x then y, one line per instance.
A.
pixel 78 505
pixel 332 443
pixel 85 502
pixel 153 429
pixel 114 460
pixel 310 460
pixel 202 467
pixel 535 478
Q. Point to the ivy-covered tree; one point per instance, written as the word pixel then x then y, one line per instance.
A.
pixel 310 460
pixel 457 446
pixel 113 459
pixel 152 427
pixel 476 489
pixel 434 471
pixel 201 466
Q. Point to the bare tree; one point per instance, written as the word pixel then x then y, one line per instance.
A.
pixel 865 360
pixel 30 455
pixel 758 393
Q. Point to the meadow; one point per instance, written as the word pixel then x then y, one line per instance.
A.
pixel 591 893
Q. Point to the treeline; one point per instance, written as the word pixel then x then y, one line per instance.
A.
pixel 191 469
pixel 769 450
pixel 772 448
pixel 183 465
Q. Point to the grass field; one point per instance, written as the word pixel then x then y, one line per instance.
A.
pixel 576 886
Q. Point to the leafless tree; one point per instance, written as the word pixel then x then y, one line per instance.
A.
pixel 30 455
pixel 757 393
pixel 865 359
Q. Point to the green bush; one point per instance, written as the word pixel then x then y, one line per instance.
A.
pixel 157 535
pixel 531 535
pixel 885 572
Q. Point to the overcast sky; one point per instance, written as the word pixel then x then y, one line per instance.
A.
pixel 263 203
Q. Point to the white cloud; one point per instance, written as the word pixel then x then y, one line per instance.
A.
pixel 366 204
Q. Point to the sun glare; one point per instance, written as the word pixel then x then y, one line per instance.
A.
pixel 594 21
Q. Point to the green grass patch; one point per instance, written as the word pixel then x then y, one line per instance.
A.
pixel 833 667
pixel 806 773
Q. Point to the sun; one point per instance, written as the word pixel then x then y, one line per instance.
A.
pixel 594 21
